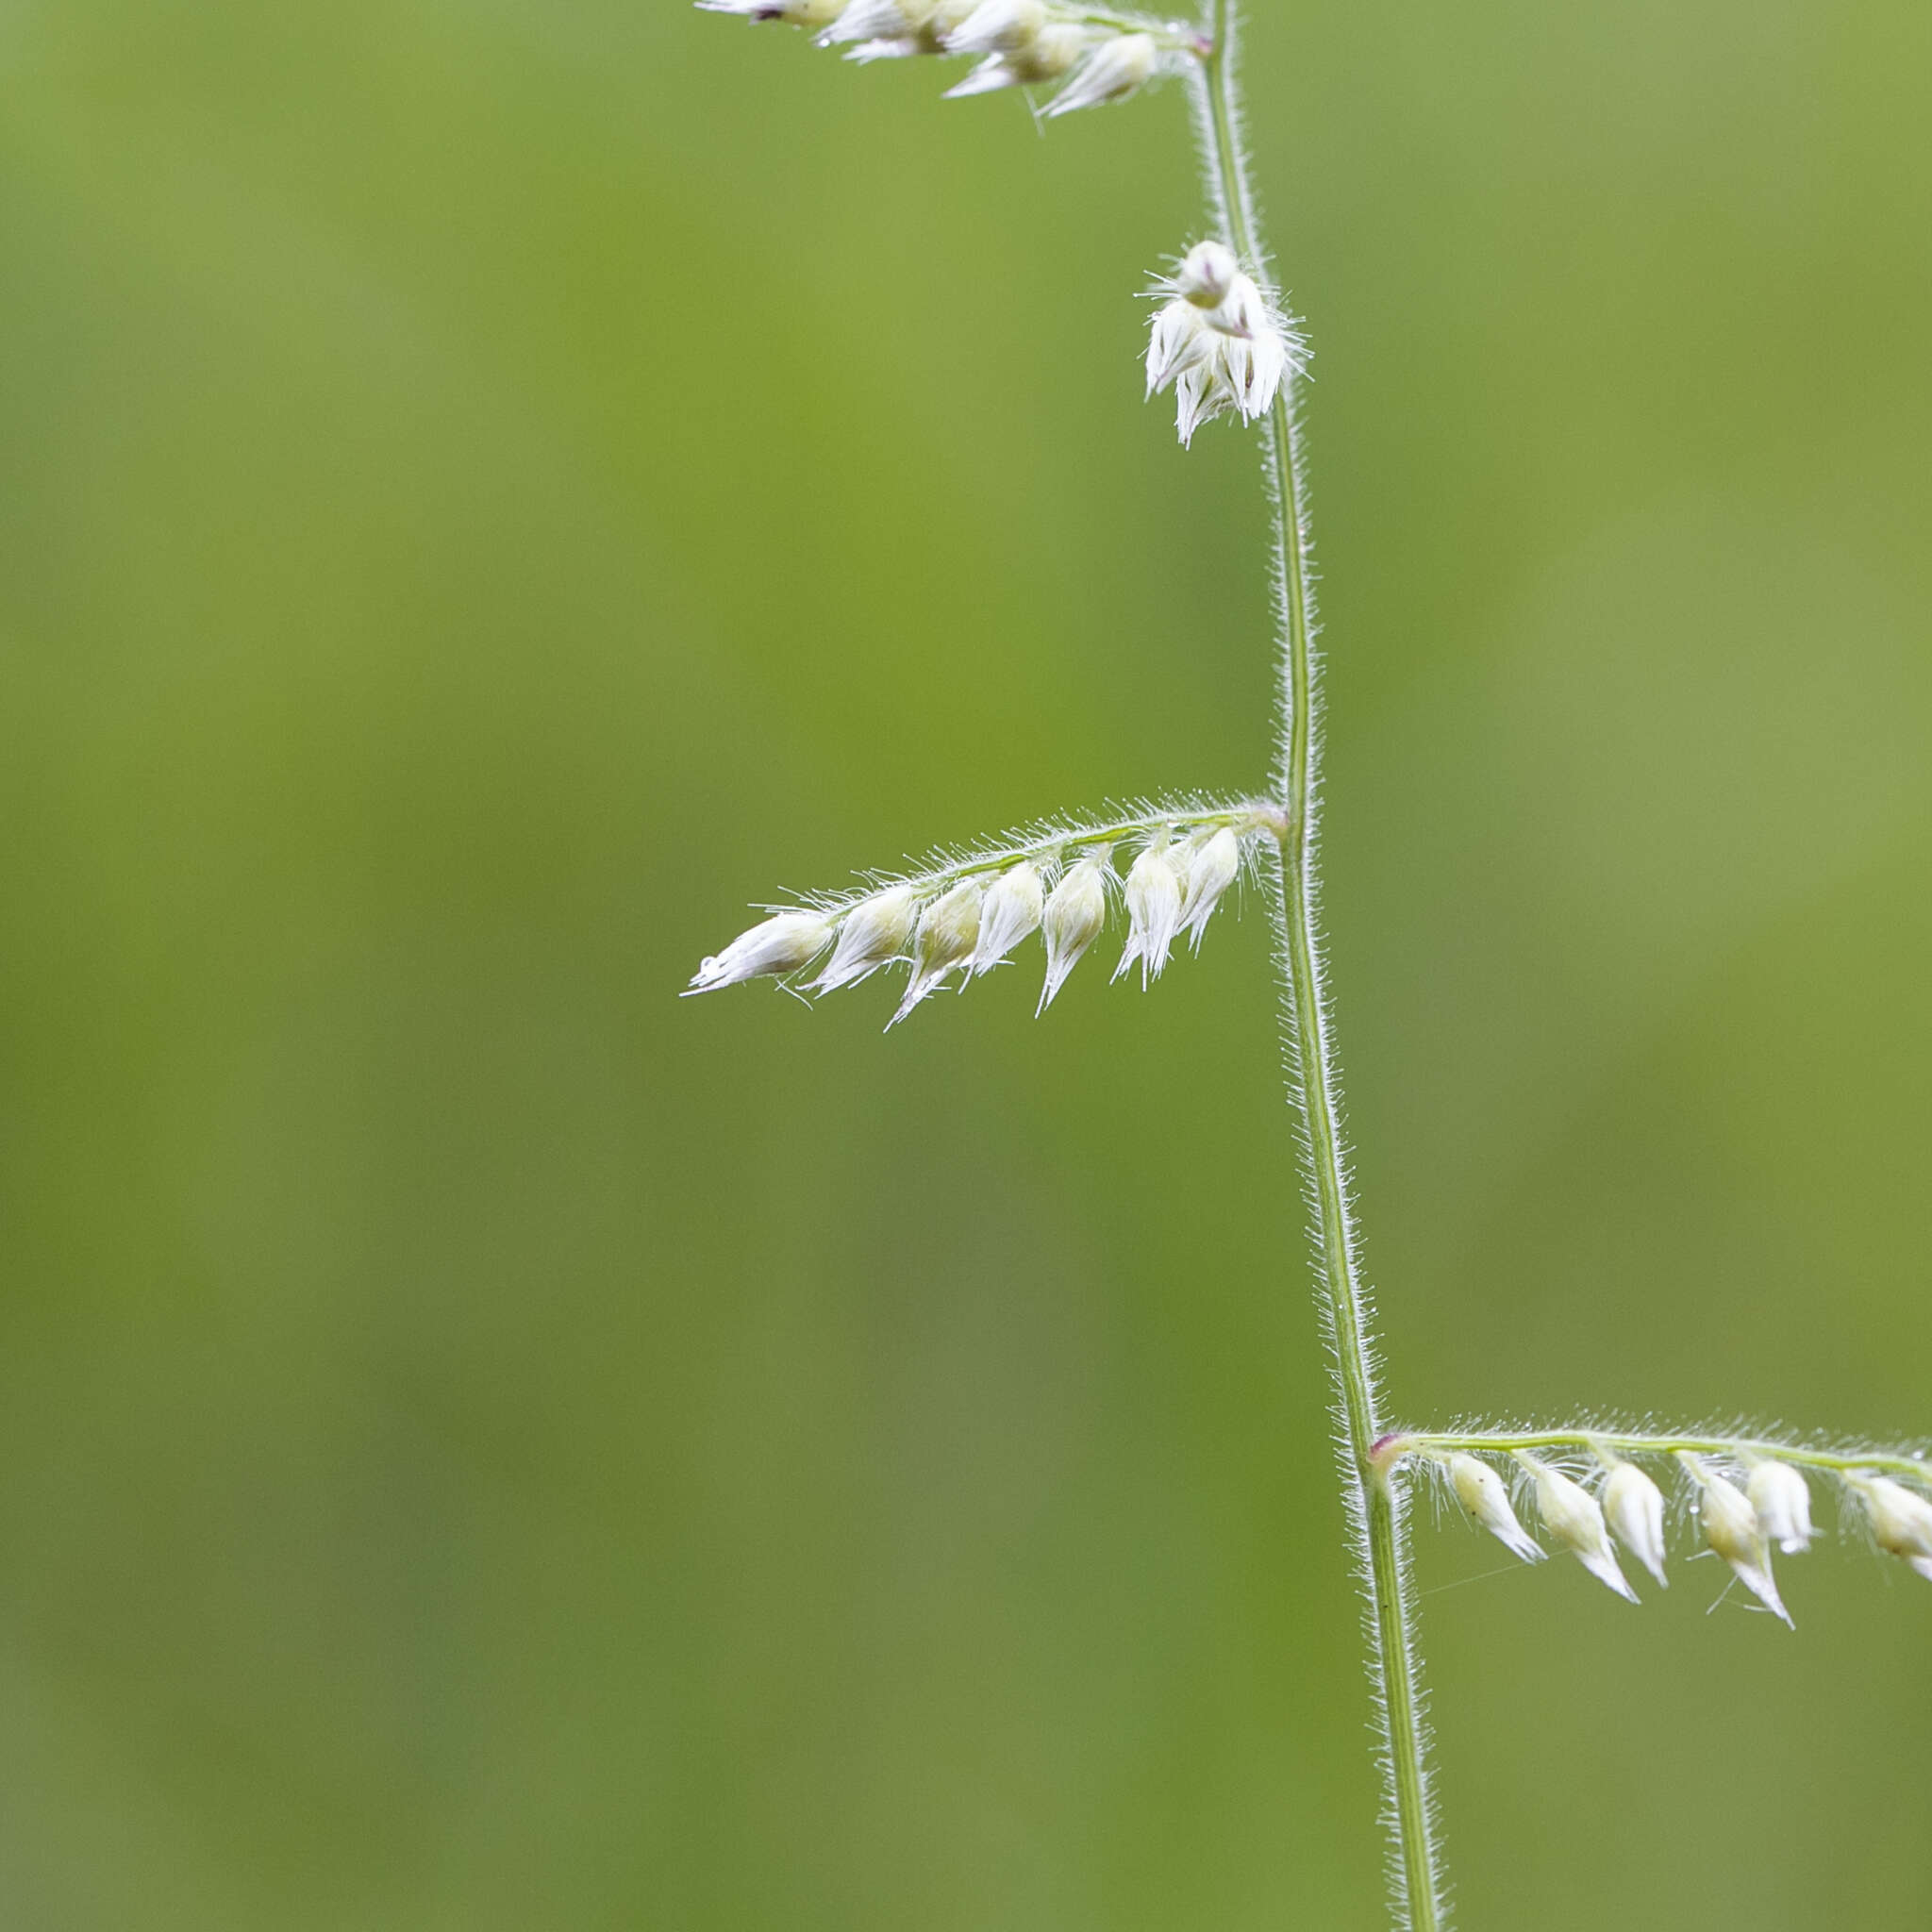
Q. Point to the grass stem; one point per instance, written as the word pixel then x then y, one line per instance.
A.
pixel 1374 1499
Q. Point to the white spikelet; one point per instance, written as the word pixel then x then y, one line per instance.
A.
pixel 1480 1491
pixel 998 26
pixel 1012 910
pixel 1179 340
pixel 948 932
pixel 1154 912
pixel 1634 1509
pixel 782 944
pixel 866 52
pixel 1241 312
pixel 1206 277
pixel 1255 367
pixel 878 19
pixel 1779 1493
pixel 1213 867
pixel 1074 913
pixel 929 37
pixel 1731 1528
pixel 1901 1519
pixel 993 73
pixel 1050 55
pixel 1118 67
pixel 1571 1514
pixel 1198 399
pixel 875 934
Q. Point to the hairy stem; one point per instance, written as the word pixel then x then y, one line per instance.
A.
pixel 1375 1503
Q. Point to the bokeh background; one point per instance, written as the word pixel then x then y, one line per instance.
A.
pixel 492 489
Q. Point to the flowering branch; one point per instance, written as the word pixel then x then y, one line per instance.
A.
pixel 1748 1491
pixel 966 912
pixel 1095 54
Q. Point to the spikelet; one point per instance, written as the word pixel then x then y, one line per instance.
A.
pixel 967 916
pixel 1480 1491
pixel 1732 1529
pixel 1012 910
pixel 1634 1509
pixel 1213 864
pixel 1050 56
pixel 1024 43
pixel 1120 65
pixel 780 945
pixel 1900 1519
pixel 998 26
pixel 875 934
pixel 1777 1491
pixel 1073 921
pixel 1573 1515
pixel 1154 912
pixel 947 937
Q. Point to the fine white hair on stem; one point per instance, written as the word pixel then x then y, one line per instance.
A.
pixel 1376 1498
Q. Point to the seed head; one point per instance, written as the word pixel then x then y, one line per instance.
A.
pixel 967 913
pixel 1480 1491
pixel 1217 341
pixel 1026 42
pixel 1571 1514
pixel 1731 1528
pixel 1074 913
pixel 782 944
pixel 1901 1519
pixel 1634 1507
pixel 1154 912
pixel 1777 1492
pixel 948 932
pixel 1118 67
pixel 874 933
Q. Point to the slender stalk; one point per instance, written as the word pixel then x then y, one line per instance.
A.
pixel 1245 817
pixel 1373 1500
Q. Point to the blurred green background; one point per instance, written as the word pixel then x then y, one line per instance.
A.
pixel 490 489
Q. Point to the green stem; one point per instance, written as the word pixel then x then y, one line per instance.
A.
pixel 1391 1449
pixel 1375 1502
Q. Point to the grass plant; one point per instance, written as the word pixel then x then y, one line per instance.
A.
pixel 1222 339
